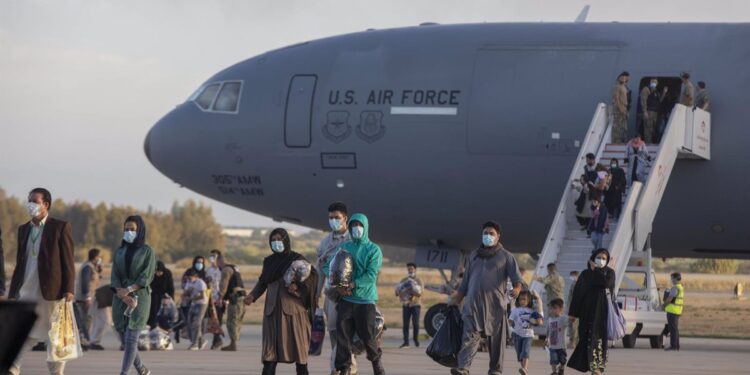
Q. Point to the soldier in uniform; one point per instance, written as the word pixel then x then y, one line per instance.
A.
pixel 651 100
pixel 701 100
pixel 620 105
pixel 232 293
pixel 687 92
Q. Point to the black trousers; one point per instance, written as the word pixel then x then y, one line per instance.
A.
pixel 360 319
pixel 673 323
pixel 411 314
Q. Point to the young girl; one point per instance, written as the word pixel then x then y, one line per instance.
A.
pixel 523 318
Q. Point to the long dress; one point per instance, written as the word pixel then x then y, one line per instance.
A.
pixel 589 305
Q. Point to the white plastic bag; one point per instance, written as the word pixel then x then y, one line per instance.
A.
pixel 64 342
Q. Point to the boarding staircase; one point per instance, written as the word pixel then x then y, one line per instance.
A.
pixel 687 135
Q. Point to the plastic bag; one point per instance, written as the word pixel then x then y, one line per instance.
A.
pixel 144 341
pixel 408 289
pixel 342 269
pixel 299 271
pixel 341 273
pixel 358 347
pixel 615 322
pixel 159 339
pixel 318 333
pixel 64 341
pixel 446 344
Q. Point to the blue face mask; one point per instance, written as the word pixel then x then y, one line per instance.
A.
pixel 277 246
pixel 129 236
pixel 358 232
pixel 199 266
pixel 488 240
pixel 335 224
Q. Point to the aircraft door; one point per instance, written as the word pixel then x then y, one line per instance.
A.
pixel 298 115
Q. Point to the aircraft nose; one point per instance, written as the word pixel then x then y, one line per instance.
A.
pixel 147 146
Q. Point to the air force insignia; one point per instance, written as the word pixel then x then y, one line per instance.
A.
pixel 370 128
pixel 337 127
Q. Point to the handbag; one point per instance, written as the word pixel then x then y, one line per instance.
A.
pixel 64 342
pixel 615 321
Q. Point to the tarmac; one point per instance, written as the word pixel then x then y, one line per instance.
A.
pixel 698 356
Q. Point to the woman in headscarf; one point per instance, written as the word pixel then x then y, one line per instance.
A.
pixel 161 285
pixel 132 271
pixel 589 305
pixel 287 314
pixel 638 159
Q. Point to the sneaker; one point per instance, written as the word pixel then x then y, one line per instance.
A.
pixel 143 371
pixel 39 347
pixel 204 345
pixel 194 348
pixel 523 371
pixel 96 347
pixel 459 371
pixel 404 345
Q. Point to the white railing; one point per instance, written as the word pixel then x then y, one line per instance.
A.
pixel 621 246
pixel 594 142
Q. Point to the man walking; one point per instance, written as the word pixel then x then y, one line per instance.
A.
pixel 232 295
pixel 673 308
pixel 483 314
pixel 45 270
pixel 329 246
pixel 356 312
pixel 86 285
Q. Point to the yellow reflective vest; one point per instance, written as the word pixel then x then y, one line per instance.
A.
pixel 675 307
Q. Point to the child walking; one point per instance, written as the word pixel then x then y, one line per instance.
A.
pixel 523 318
pixel 557 325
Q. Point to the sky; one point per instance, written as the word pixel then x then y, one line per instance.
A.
pixel 82 82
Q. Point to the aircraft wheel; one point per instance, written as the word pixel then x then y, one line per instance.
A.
pixel 657 342
pixel 434 318
pixel 629 341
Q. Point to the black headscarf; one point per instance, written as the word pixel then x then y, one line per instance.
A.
pixel 140 237
pixel 139 242
pixel 597 252
pixel 276 264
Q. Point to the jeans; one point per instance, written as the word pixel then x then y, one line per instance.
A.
pixel 360 319
pixel 673 322
pixel 131 356
pixel 411 314
pixel 522 346
pixel 195 321
pixel 596 239
pixel 558 357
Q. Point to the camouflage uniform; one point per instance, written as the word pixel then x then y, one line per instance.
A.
pixel 620 114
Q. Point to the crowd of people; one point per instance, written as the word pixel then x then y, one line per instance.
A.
pixel 141 297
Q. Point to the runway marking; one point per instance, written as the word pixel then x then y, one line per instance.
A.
pixel 432 111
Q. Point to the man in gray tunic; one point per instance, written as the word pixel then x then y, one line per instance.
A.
pixel 488 269
pixel 329 246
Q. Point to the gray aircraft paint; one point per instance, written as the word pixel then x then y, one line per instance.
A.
pixel 523 96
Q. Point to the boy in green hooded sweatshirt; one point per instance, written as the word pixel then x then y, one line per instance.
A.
pixel 356 312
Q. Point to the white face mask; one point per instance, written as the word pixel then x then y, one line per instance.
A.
pixel 573 279
pixel 277 246
pixel 129 236
pixel 213 259
pixel 358 232
pixel 33 208
pixel 412 274
pixel 488 240
pixel 335 224
pixel 600 262
pixel 98 262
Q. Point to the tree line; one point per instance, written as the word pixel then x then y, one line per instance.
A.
pixel 187 229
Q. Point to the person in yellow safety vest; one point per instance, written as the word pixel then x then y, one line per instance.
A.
pixel 673 307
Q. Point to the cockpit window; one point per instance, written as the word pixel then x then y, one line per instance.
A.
pixel 228 97
pixel 207 96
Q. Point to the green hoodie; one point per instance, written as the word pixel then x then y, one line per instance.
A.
pixel 367 259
